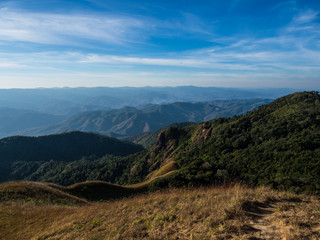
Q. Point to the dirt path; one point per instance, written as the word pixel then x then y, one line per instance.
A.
pixel 284 219
pixel 262 224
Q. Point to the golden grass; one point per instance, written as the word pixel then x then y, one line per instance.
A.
pixel 234 212
pixel 145 183
pixel 168 167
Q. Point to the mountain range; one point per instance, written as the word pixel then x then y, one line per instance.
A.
pixel 70 101
pixel 35 112
pixel 129 121
pixel 277 145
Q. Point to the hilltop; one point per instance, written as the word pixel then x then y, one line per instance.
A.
pixel 148 139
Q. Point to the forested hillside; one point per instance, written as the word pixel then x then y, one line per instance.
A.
pixel 277 145
pixel 20 156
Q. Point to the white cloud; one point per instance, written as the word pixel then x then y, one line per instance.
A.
pixel 211 62
pixel 66 28
pixel 11 65
pixel 304 23
pixel 306 17
pixel 75 28
pixel 292 54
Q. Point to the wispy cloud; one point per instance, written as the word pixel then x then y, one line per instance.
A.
pixel 65 28
pixel 290 52
pixel 77 59
pixel 11 65
pixel 181 62
pixel 76 28
pixel 306 17
pixel 304 23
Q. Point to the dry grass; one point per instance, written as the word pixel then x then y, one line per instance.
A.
pixel 170 166
pixel 205 213
pixel 145 183
pixel 298 218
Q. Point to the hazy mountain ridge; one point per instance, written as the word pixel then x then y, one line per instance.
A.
pixel 129 121
pixel 12 121
pixel 70 101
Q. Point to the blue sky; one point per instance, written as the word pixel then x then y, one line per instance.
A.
pixel 223 43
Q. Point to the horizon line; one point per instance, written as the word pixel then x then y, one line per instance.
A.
pixel 166 86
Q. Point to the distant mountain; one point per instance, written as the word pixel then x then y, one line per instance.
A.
pixel 130 121
pixel 70 101
pixel 65 147
pixel 15 120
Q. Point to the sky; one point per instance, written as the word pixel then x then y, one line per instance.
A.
pixel 221 43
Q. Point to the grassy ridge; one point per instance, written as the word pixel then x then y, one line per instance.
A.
pixel 204 213
pixel 35 192
pixel 79 193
